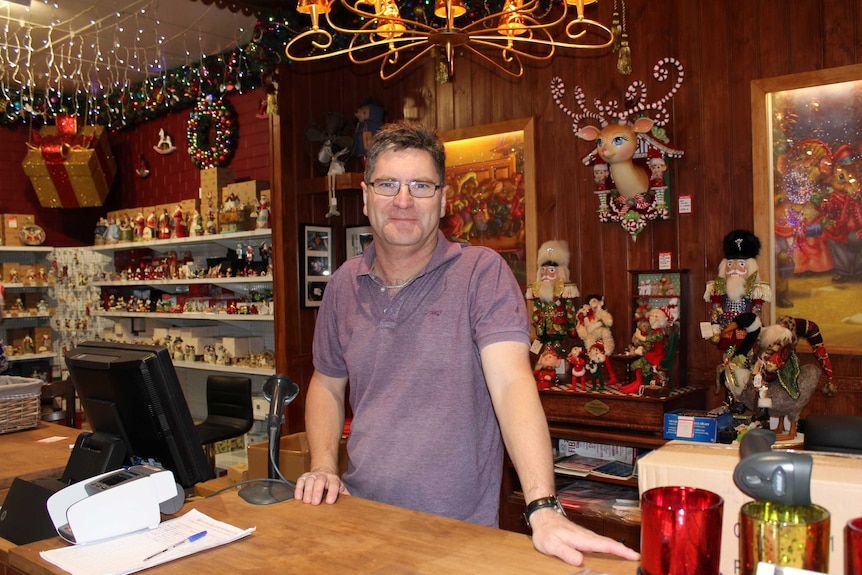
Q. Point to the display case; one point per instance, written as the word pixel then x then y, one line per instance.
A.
pixel 654 355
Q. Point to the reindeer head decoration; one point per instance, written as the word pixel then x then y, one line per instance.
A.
pixel 624 138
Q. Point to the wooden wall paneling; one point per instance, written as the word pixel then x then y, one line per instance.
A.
pixel 806 35
pixel 839 37
pixel 773 57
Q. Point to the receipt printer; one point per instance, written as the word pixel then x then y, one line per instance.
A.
pixel 113 503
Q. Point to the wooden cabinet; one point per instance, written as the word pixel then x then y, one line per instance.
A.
pixel 609 418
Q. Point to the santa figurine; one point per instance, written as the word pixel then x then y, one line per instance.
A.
pixel 651 350
pixel 181 229
pixel 736 289
pixel 552 295
pixel 579 368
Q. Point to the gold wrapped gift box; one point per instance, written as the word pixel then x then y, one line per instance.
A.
pixel 87 171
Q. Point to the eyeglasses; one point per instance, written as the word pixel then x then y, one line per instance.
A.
pixel 392 187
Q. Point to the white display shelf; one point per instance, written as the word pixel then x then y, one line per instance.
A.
pixel 179 316
pixel 203 366
pixel 203 281
pixel 26 249
pixel 31 356
pixel 220 241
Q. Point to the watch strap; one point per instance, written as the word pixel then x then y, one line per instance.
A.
pixel 542 503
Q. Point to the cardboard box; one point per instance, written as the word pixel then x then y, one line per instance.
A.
pixel 237 473
pixel 248 192
pixel 294 457
pixel 695 425
pixel 12 224
pixel 242 346
pixel 212 182
pixel 836 484
pixel 207 488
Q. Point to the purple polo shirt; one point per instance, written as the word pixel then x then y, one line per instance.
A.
pixel 424 434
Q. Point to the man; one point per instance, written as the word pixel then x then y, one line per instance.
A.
pixel 736 289
pixel 434 338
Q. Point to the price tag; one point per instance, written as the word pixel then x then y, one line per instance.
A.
pixel 664 260
pixel 685 204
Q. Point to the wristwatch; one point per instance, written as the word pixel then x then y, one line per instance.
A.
pixel 542 503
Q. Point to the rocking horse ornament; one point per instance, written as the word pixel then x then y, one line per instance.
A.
pixel 632 148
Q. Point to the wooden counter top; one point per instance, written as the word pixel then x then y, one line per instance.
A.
pixel 25 455
pixel 353 536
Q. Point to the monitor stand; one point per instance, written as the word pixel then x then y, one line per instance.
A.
pixel 268 491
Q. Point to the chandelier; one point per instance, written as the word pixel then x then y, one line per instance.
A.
pixel 504 39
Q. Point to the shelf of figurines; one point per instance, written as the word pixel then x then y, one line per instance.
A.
pixel 225 240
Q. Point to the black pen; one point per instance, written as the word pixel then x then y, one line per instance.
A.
pixel 190 539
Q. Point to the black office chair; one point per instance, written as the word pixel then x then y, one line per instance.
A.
pixel 229 411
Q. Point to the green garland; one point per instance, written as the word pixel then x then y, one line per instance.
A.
pixel 211 117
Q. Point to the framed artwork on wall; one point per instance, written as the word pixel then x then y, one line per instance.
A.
pixel 316 264
pixel 356 239
pixel 807 163
pixel 491 200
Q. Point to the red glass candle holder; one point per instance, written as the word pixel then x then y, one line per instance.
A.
pixel 680 531
pixel 853 547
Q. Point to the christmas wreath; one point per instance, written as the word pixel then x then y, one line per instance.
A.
pixel 211 132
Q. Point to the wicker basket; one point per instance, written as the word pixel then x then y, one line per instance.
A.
pixel 20 403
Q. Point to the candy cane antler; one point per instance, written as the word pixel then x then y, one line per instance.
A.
pixel 635 98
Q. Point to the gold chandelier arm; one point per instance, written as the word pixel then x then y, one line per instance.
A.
pixel 519 72
pixel 501 44
pixel 374 18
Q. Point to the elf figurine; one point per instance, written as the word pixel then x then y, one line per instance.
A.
pixel 596 366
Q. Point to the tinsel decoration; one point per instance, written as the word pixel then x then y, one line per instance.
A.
pixel 616 28
pixel 624 61
pixel 211 132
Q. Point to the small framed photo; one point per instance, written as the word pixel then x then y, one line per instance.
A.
pixel 316 263
pixel 356 239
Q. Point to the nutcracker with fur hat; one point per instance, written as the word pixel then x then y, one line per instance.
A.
pixel 737 342
pixel 778 382
pixel 552 295
pixel 736 289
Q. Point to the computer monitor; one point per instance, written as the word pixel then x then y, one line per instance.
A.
pixel 131 392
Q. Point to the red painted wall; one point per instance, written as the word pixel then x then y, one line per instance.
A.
pixel 173 177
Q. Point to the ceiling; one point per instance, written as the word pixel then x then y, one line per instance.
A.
pixel 95 44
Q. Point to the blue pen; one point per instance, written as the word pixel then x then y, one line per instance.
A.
pixel 190 539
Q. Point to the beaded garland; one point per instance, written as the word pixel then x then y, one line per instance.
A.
pixel 211 132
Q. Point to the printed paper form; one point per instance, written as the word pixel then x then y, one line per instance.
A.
pixel 126 554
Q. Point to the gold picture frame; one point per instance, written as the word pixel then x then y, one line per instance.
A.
pixel 806 154
pixel 491 173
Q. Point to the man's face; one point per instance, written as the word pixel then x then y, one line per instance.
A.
pixel 548 273
pixel 403 220
pixel 736 268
